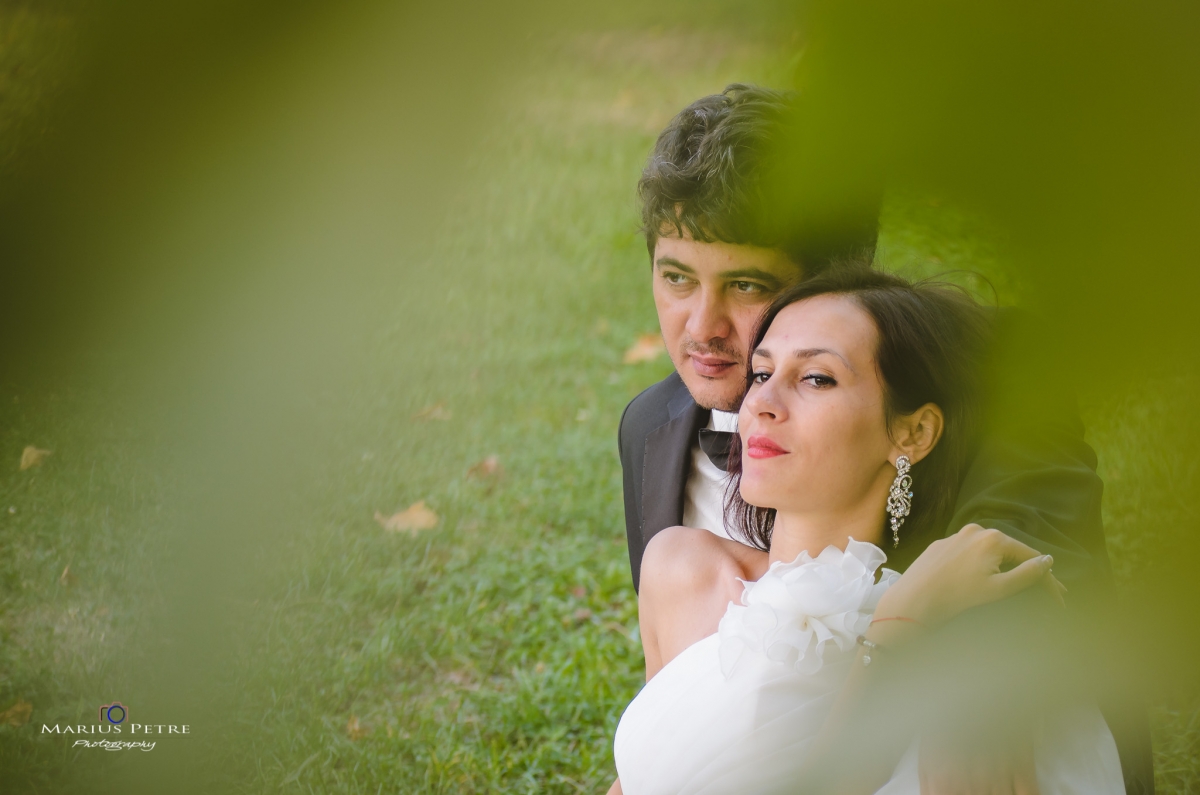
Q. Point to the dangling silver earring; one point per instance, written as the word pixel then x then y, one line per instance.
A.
pixel 900 498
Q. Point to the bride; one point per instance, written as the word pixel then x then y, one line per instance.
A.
pixel 853 433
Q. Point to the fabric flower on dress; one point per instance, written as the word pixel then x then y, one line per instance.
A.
pixel 797 609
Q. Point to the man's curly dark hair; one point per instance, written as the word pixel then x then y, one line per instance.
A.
pixel 706 176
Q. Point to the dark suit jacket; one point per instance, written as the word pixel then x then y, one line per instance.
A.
pixel 1035 481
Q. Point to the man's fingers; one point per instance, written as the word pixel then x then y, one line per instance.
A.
pixel 1023 576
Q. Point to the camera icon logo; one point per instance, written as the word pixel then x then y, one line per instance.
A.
pixel 113 713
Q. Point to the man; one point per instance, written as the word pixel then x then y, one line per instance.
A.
pixel 715 264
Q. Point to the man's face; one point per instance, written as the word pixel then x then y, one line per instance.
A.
pixel 709 297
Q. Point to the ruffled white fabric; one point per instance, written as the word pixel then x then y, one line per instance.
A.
pixel 797 609
pixel 738 711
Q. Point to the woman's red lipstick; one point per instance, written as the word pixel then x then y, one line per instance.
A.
pixel 762 447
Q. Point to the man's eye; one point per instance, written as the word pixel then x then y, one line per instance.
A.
pixel 760 377
pixel 749 288
pixel 819 380
pixel 675 278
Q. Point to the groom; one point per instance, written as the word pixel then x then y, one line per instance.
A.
pixel 713 269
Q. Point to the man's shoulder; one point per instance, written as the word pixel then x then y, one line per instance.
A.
pixel 652 408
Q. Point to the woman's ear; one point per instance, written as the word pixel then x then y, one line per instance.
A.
pixel 918 433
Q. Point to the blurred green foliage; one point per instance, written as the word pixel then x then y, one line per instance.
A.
pixel 309 649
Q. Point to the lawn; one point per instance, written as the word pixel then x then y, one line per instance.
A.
pixel 494 651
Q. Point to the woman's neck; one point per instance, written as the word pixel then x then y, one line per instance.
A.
pixel 794 533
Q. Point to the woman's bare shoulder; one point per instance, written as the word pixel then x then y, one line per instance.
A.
pixel 685 560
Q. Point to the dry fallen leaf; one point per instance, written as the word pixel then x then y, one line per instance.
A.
pixel 355 729
pixel 18 714
pixel 647 348
pixel 463 679
pixel 67 578
pixel 32 457
pixel 412 519
pixel 487 468
pixel 579 616
pixel 437 411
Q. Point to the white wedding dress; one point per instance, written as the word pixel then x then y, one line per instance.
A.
pixel 737 711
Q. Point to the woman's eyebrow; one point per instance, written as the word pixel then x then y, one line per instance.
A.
pixel 808 353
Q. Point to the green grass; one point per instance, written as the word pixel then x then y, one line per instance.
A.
pixel 495 652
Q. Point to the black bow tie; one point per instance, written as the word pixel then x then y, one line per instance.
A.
pixel 716 445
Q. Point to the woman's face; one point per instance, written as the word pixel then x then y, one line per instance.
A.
pixel 814 436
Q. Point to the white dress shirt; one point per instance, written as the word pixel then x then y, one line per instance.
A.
pixel 704 495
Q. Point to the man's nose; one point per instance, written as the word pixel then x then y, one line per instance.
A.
pixel 709 318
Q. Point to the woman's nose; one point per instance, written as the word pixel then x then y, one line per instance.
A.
pixel 762 401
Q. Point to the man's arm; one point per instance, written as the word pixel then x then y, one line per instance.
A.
pixel 1038 484
pixel 645 413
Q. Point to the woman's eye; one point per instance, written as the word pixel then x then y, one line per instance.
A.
pixel 819 380
pixel 760 377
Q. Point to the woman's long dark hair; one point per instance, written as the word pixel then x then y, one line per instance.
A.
pixel 932 337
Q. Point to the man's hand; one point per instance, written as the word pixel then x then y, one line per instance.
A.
pixel 948 767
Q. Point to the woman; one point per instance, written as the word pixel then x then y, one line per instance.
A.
pixel 756 655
